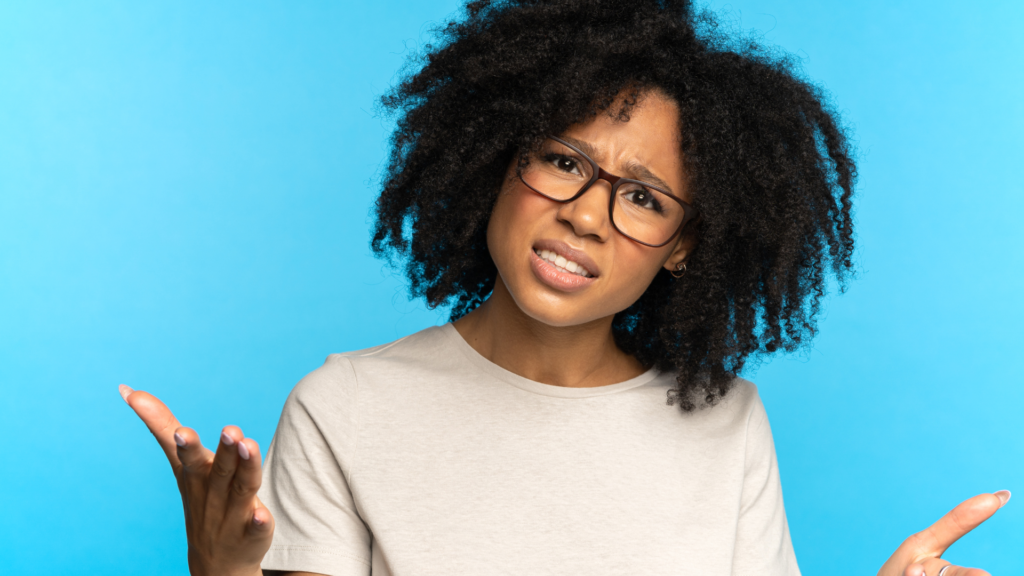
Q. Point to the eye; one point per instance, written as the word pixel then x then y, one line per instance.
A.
pixel 643 198
pixel 562 163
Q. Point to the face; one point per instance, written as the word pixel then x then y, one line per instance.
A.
pixel 526 230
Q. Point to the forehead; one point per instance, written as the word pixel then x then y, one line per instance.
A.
pixel 649 137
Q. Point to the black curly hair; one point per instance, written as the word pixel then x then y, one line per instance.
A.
pixel 769 166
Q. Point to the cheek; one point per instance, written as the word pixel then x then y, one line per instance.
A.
pixel 519 217
pixel 634 267
pixel 642 261
pixel 516 213
pixel 520 205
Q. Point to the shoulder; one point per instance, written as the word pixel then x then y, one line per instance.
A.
pixel 744 401
pixel 743 397
pixel 748 410
pixel 337 380
pixel 735 412
pixel 419 348
pixel 740 399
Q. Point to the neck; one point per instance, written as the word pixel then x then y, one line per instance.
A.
pixel 584 355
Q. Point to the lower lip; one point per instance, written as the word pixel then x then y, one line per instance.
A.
pixel 563 281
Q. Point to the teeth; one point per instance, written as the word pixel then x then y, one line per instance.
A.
pixel 563 264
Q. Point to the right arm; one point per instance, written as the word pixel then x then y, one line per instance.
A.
pixel 228 528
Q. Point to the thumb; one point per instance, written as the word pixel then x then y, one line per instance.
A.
pixel 967 515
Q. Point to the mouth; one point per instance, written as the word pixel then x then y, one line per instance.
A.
pixel 562 267
pixel 562 264
pixel 565 258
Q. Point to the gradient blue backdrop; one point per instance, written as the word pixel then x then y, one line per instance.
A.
pixel 184 207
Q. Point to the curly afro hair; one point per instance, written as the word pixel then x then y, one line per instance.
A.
pixel 769 168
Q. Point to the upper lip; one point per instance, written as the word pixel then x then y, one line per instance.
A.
pixel 569 253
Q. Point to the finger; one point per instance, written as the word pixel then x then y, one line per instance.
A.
pixel 157 417
pixel 262 524
pixel 195 468
pixel 928 567
pixel 916 569
pixel 257 533
pixel 967 515
pixel 242 495
pixel 222 472
pixel 934 540
pixel 932 567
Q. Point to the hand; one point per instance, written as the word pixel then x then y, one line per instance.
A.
pixel 920 554
pixel 229 530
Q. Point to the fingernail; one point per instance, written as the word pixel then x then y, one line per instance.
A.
pixel 243 451
pixel 256 520
pixel 179 440
pixel 1004 497
pixel 125 390
pixel 227 440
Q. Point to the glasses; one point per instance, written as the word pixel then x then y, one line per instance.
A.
pixel 642 212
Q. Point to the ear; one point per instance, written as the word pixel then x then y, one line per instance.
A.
pixel 684 246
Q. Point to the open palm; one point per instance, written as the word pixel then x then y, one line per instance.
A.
pixel 229 530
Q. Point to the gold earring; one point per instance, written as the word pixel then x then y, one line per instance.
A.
pixel 679 271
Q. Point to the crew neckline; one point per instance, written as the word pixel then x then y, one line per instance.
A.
pixel 539 387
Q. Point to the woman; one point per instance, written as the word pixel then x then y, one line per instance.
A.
pixel 620 209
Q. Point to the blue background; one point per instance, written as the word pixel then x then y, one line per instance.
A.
pixel 184 207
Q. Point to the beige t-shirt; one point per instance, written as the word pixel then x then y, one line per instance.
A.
pixel 422 457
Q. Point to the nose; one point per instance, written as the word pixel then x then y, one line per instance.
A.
pixel 588 214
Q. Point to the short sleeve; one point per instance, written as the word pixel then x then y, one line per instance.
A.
pixel 763 544
pixel 306 478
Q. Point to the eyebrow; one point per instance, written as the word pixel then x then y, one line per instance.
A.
pixel 642 172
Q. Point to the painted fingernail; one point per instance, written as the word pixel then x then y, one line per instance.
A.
pixel 243 451
pixel 179 440
pixel 227 440
pixel 125 390
pixel 1004 497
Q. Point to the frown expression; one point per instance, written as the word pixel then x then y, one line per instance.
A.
pixel 526 230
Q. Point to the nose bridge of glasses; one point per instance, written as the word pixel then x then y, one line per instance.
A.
pixel 607 177
pixel 596 209
pixel 611 179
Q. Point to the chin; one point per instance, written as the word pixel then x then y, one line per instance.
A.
pixel 558 314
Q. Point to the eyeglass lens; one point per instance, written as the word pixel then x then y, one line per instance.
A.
pixel 639 210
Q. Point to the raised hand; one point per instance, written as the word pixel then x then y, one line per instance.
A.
pixel 920 555
pixel 229 530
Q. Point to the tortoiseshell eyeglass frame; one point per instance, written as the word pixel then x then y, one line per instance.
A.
pixel 598 173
